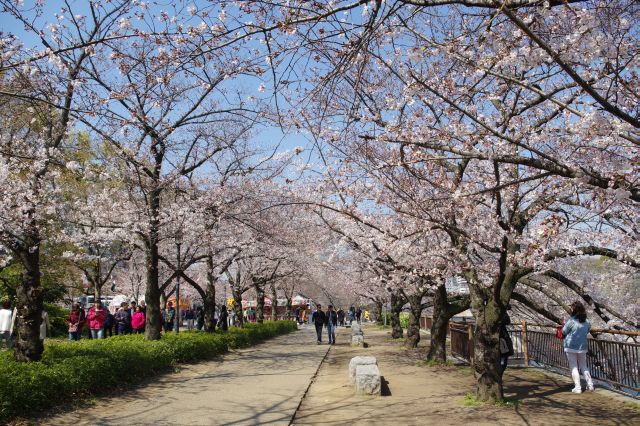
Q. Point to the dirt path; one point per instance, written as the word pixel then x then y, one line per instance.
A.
pixel 260 385
pixel 420 395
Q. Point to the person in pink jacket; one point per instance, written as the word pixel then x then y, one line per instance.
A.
pixel 137 321
pixel 96 318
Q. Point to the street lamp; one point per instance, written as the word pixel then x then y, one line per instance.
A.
pixel 179 272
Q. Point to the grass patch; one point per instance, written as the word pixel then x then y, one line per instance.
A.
pixel 465 370
pixel 72 370
pixel 435 363
pixel 470 400
pixel 632 406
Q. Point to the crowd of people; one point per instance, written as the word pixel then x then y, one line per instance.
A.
pixel 331 319
pixel 342 317
pixel 129 318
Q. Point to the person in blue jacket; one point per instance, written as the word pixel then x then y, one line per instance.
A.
pixel 575 333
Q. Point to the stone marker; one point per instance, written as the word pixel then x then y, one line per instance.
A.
pixel 359 360
pixel 356 329
pixel 368 380
pixel 357 340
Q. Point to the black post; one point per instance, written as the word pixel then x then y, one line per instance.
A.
pixel 178 319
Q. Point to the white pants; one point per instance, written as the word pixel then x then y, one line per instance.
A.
pixel 577 363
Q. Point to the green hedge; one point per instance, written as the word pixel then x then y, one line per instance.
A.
pixel 70 370
pixel 404 319
pixel 58 319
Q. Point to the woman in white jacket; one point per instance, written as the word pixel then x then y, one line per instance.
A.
pixel 7 318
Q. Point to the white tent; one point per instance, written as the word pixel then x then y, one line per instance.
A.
pixel 117 300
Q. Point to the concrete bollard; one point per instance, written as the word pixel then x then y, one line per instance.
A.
pixel 359 360
pixel 368 381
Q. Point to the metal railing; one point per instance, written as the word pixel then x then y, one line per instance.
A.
pixel 613 362
pixel 616 363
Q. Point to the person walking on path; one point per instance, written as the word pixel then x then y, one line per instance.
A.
pixel 137 321
pixel 319 319
pixel 332 323
pixel 575 333
pixel 97 316
pixel 359 315
pixel 352 315
pixel 7 318
pixel 75 321
pixel 190 316
pixel 341 317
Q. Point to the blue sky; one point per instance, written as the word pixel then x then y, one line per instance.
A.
pixel 271 135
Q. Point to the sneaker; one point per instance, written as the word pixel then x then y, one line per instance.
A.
pixel 576 390
pixel 319 342
pixel 590 388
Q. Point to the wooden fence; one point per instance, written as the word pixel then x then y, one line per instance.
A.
pixel 613 362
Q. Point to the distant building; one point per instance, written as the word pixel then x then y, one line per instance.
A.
pixel 456 285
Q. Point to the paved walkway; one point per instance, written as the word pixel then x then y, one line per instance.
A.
pixel 265 385
pixel 259 385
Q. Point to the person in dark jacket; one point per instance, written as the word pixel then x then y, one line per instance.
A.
pixel 223 321
pixel 332 323
pixel 199 318
pixel 122 319
pixel 108 324
pixel 340 317
pixel 319 318
pixel 506 344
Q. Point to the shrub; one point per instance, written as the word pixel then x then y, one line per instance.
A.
pixel 70 370
pixel 58 320
pixel 404 319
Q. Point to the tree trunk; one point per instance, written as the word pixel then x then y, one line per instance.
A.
pixel 28 346
pixel 237 306
pixel 397 302
pixel 152 294
pixel 209 300
pixel 259 304
pixel 377 312
pixel 486 357
pixel 437 346
pixel 413 331
pixel 274 305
